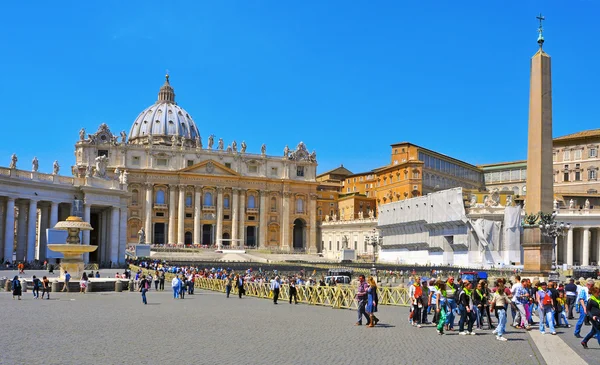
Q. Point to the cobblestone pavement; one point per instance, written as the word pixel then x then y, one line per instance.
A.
pixel 207 328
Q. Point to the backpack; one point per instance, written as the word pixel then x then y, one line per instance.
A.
pixel 457 294
pixel 547 299
pixel 418 291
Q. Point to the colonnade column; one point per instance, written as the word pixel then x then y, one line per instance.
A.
pixel 234 218
pixel 53 214
pixel 197 215
pixel 114 235
pixel 285 226
pixel 570 247
pixel 312 216
pixel 171 239
pixel 43 224
pixel 148 214
pixel 219 217
pixel 9 233
pixel 31 230
pixel 2 221
pixel 585 255
pixel 262 223
pixel 87 212
pixel 242 222
pixel 22 231
pixel 123 233
pixel 181 216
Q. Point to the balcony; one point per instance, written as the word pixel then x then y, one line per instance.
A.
pixel 161 206
pixel 208 208
pixel 251 210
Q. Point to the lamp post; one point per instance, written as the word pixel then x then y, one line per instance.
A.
pixel 374 239
pixel 551 228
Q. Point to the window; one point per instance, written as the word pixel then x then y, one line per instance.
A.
pixel 134 197
pixel 226 202
pixel 320 212
pixel 228 165
pixel 415 174
pixel 566 176
pixel 331 212
pixel 160 214
pixel 577 176
pixel 274 171
pixel 188 201
pixel 161 162
pixel 102 153
pixel 593 152
pixel 208 199
pixel 566 155
pixel 251 202
pixel 188 215
pixel 135 160
pixel 300 205
pixel 253 169
pixel 300 172
pixel 190 163
pixel 274 204
pixel 578 154
pixel 338 245
pixel 329 245
pixel 592 175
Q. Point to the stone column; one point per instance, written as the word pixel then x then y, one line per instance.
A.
pixel 234 217
pixel 87 208
pixel 219 218
pixel 312 214
pixel 172 228
pixel 181 216
pixel 197 215
pixel 123 234
pixel 585 247
pixel 2 222
pixel 31 230
pixel 148 214
pixel 285 226
pixel 43 224
pixel 53 214
pixel 570 247
pixel 212 234
pixel 22 231
pixel 262 224
pixel 242 223
pixel 114 235
pixel 9 233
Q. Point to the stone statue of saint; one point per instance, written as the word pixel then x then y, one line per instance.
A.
pixel 220 145
pixel 88 171
pixel 141 236
pixel 150 139
pixel 327 218
pixel 555 204
pixel 334 217
pixel 360 214
pixel 55 168
pixel 313 156
pixel 123 137
pixel 211 141
pixel 82 134
pixel 34 164
pixel 286 151
pixel 174 140
pixel 571 204
pixel 587 204
pixel 198 141
pixel 243 147
pixel 101 163
pixel 117 174
pixel 234 146
pixel 13 161
pixel 263 149
pixel 124 177
pixel 229 149
pixel 371 214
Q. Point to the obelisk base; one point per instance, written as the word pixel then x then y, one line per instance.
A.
pixel 537 252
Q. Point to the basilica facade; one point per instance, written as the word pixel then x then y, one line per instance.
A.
pixel 186 191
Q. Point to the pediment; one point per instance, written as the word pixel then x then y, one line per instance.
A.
pixel 210 167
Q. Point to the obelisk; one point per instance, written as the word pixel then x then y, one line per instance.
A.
pixel 540 182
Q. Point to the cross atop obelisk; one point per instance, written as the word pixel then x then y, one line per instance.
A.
pixel 540 40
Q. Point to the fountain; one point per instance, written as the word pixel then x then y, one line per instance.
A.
pixel 72 250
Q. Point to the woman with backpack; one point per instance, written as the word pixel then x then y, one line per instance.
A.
pixel 16 287
pixel 416 296
pixel 546 308
pixel 465 306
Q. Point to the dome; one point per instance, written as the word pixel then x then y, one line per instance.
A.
pixel 163 120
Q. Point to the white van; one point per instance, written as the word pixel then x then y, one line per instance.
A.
pixel 339 280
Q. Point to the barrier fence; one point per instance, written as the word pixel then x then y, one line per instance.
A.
pixel 340 296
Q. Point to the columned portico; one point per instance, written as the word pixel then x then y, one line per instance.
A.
pixel 585 247
pixel 181 216
pixel 148 214
pixel 22 230
pixel 197 215
pixel 234 217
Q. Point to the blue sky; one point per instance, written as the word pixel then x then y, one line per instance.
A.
pixel 348 78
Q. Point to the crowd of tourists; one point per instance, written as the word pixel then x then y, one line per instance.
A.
pixel 481 307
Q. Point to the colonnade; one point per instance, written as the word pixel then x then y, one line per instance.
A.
pixel 580 246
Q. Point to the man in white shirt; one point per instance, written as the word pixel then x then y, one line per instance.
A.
pixel 275 285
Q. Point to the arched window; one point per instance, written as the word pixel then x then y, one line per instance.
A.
pixel 188 200
pixel 208 199
pixel 226 202
pixel 273 204
pixel 300 205
pixel 251 203
pixel 160 197
pixel 134 197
